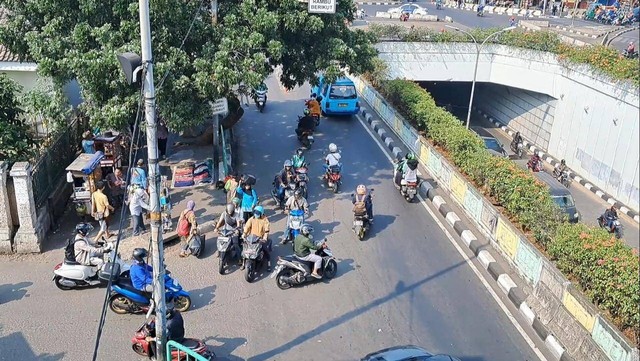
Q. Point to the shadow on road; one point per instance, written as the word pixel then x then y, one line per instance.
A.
pixel 223 352
pixel 13 292
pixel 203 296
pixel 15 347
pixel 401 289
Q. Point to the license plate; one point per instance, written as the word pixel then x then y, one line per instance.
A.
pixel 342 105
pixel 310 137
pixel 358 223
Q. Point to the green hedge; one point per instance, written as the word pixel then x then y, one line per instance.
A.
pixel 526 201
pixel 603 59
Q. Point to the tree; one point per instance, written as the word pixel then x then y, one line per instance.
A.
pixel 80 39
pixel 16 143
pixel 47 105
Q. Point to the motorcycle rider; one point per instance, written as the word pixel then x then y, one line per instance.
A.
pixel 140 272
pixel 333 158
pixel 560 168
pixel 249 199
pixel 535 162
pixel 408 164
pixel 305 124
pixel 631 49
pixel 231 220
pixel 314 106
pixel 258 225
pixel 286 176
pixel 610 215
pixel 85 252
pixel 302 247
pixel 298 159
pixel 295 202
pixel 517 139
pixel 363 196
pixel 174 326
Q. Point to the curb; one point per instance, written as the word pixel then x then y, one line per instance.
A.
pixel 547 158
pixel 505 283
pixel 564 28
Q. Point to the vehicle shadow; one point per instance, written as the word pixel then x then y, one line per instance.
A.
pixel 202 297
pixel 16 341
pixel 380 223
pixel 228 345
pixel 13 292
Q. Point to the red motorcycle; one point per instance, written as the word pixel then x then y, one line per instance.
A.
pixel 333 178
pixel 143 347
pixel 535 165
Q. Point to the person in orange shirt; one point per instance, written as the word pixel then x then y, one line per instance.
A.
pixel 314 106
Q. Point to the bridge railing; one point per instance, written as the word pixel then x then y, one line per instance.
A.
pixel 182 352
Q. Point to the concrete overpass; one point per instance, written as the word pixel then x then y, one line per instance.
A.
pixel 569 110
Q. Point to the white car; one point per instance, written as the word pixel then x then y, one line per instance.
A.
pixel 409 9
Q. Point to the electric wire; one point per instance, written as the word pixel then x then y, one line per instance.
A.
pixel 134 142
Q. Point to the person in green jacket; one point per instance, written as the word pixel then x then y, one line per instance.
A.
pixel 302 247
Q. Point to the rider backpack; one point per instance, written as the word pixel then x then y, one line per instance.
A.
pixel 69 250
pixel 184 226
pixel 359 207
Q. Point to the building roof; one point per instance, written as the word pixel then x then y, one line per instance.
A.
pixel 5 54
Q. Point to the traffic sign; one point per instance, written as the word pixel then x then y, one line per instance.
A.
pixel 220 106
pixel 322 6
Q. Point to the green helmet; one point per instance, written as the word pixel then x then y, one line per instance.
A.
pixel 410 156
pixel 307 112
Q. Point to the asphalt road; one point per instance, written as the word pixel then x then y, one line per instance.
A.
pixel 589 205
pixel 405 284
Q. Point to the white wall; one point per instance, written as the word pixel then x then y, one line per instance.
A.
pixel 584 132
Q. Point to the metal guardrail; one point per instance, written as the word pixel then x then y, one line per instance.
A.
pixel 182 352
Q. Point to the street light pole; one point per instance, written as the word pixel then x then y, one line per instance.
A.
pixel 154 176
pixel 475 69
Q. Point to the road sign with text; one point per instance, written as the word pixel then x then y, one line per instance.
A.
pixel 322 6
pixel 220 106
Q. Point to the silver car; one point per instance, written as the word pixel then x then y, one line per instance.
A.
pixel 406 353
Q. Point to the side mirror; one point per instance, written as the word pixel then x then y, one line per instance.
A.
pixel 352 194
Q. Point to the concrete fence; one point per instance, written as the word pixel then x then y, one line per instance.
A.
pixel 565 312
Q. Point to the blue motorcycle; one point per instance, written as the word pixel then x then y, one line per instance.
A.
pixel 294 223
pixel 127 299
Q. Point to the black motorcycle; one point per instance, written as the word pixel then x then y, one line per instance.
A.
pixel 288 193
pixel 253 257
pixel 226 251
pixel 517 148
pixel 562 177
pixel 361 225
pixel 291 271
pixel 617 226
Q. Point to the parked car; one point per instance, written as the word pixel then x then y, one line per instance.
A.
pixel 338 98
pixel 491 143
pixel 560 196
pixel 406 353
pixel 409 9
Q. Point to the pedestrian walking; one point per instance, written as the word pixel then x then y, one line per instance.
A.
pixel 243 92
pixel 138 175
pixel 163 134
pixel 187 229
pixel 138 200
pixel 231 186
pixel 88 145
pixel 101 210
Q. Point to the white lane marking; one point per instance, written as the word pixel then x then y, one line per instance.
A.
pixel 473 267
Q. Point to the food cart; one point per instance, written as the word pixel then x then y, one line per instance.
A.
pixel 109 143
pixel 83 173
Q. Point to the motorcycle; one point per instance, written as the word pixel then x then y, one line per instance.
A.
pixel 629 55
pixel 253 256
pixel 438 5
pixel 537 167
pixel 288 193
pixel 518 148
pixel 127 299
pixel 142 347
pixel 291 271
pixel 409 185
pixel 260 97
pixel 333 178
pixel 361 225
pixel 306 137
pixel 617 226
pixel 295 222
pixel 302 179
pixel 562 177
pixel 70 274
pixel 226 250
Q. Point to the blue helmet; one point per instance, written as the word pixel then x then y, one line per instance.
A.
pixel 258 211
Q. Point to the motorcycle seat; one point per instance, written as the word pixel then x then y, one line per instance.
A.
pixel 125 283
pixel 69 262
pixel 190 343
pixel 334 169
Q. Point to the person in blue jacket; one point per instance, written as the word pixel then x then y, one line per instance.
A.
pixel 249 199
pixel 141 273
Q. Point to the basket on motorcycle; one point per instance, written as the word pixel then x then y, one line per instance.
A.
pixel 108 269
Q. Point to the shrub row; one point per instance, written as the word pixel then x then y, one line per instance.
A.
pixel 605 60
pixel 578 250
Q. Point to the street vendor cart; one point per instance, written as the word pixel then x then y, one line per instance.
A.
pixel 109 143
pixel 83 173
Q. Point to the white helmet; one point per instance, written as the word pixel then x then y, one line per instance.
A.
pixel 333 148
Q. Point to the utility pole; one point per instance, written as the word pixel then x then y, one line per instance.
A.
pixel 216 117
pixel 154 177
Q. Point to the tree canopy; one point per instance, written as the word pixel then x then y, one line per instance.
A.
pixel 16 143
pixel 80 39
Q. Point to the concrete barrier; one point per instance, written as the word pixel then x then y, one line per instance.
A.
pixel 560 313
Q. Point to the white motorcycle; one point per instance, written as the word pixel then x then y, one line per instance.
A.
pixel 70 274
pixel 260 97
pixel 409 185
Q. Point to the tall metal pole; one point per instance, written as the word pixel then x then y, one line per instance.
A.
pixel 576 2
pixel 216 117
pixel 154 178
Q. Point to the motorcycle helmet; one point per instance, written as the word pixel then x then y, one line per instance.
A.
pixel 306 230
pixel 333 148
pixel 319 98
pixel 83 229
pixel 313 95
pixel 230 208
pixel 410 156
pixel 236 202
pixel 140 254
pixel 258 211
pixel 288 164
pixel 563 162
pixel 297 193
pixel 361 190
pixel 307 112
pixel 299 152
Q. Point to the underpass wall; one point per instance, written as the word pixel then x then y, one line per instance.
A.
pixel 595 120
pixel 527 112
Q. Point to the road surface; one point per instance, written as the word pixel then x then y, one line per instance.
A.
pixel 405 284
